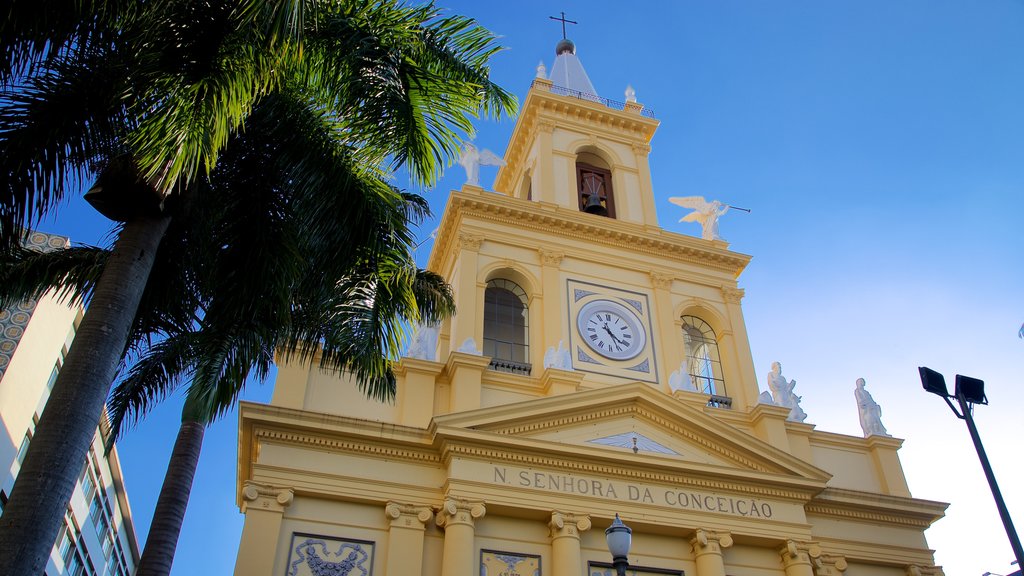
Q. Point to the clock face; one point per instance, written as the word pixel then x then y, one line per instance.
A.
pixel 611 330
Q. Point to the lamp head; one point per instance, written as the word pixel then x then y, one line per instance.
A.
pixel 619 537
pixel 933 382
pixel 972 389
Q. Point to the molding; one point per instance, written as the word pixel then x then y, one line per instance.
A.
pixel 529 217
pixel 874 507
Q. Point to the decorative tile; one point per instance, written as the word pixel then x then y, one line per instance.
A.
pixel 494 563
pixel 318 555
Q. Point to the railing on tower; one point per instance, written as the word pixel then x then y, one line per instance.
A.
pixel 647 112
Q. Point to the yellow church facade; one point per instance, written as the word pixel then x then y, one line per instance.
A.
pixel 597 365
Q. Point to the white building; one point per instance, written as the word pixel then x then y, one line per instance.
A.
pixel 98 536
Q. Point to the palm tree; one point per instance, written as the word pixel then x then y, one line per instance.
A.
pixel 353 302
pixel 157 89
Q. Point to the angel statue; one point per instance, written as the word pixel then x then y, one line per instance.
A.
pixel 704 212
pixel 471 159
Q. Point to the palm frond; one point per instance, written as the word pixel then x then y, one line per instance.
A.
pixel 151 378
pixel 70 272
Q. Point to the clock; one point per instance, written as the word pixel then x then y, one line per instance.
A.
pixel 611 329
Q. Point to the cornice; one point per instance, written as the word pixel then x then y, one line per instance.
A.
pixel 637 399
pixel 574 225
pixel 875 507
pixel 685 476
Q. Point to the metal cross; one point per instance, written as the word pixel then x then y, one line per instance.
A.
pixel 563 21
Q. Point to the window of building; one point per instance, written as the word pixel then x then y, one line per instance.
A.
pixel 702 359
pixel 23 449
pixel 594 190
pixel 506 327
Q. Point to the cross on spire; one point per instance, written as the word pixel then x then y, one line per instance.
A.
pixel 563 21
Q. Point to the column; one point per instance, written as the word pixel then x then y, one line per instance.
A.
pixel 263 507
pixel 405 538
pixel 566 559
pixel 457 518
pixel 707 550
pixel 796 557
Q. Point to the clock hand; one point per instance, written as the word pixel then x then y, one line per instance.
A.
pixel 609 331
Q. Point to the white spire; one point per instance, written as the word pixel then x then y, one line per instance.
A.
pixel 567 70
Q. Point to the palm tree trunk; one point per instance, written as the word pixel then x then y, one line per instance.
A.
pixel 40 496
pixel 170 507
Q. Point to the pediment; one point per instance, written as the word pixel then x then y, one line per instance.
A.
pixel 632 422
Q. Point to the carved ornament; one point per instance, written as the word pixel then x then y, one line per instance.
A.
pixel 458 511
pixel 570 525
pixel 551 257
pixel 266 497
pixel 407 515
pixel 470 241
pixel 799 553
pixel 732 295
pixel 829 565
pixel 662 280
pixel 710 542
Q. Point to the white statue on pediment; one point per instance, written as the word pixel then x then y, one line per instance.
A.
pixel 870 412
pixel 782 393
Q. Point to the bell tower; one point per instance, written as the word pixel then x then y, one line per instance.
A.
pixel 574 149
pixel 566 266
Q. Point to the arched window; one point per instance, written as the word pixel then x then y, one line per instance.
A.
pixel 506 326
pixel 594 185
pixel 702 358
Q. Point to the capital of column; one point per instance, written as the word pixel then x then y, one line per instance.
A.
pixel 568 525
pixel 407 515
pixel 662 280
pixel 796 553
pixel 551 257
pixel 546 126
pixel 710 542
pixel 457 511
pixel 640 148
pixel 470 241
pixel 266 497
pixel 829 565
pixel 732 295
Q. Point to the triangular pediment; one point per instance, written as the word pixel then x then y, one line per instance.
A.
pixel 602 424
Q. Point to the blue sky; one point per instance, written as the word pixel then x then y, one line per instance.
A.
pixel 879 145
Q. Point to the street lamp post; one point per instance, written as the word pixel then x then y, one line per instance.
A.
pixel 619 538
pixel 970 391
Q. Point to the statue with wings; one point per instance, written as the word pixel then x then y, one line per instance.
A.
pixel 471 159
pixel 704 212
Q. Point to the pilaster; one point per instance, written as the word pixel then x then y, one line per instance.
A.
pixel 742 387
pixel 458 519
pixel 468 296
pixel 550 302
pixel 669 332
pixel 405 538
pixel 465 372
pixel 707 548
pixel 565 542
pixel 887 465
pixel 641 151
pixel 415 395
pixel 263 506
